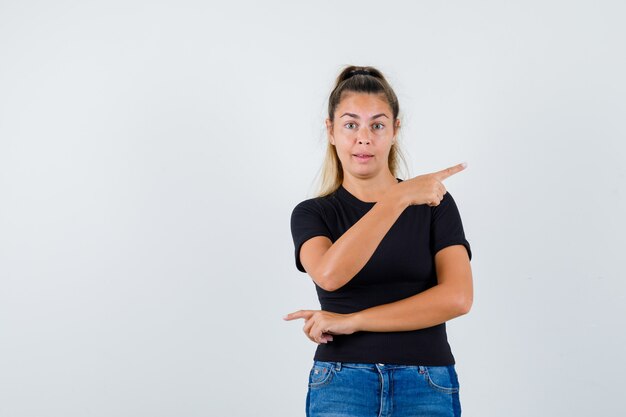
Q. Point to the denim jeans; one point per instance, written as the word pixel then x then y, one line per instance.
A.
pixel 345 389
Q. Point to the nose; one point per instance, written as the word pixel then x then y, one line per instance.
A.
pixel 363 135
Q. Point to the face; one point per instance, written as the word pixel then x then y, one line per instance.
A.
pixel 362 133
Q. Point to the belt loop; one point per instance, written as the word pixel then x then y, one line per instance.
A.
pixel 337 366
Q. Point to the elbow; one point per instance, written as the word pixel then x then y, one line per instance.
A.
pixel 464 304
pixel 328 288
pixel 460 301
pixel 327 285
pixel 328 282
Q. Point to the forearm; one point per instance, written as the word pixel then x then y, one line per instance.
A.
pixel 429 308
pixel 349 254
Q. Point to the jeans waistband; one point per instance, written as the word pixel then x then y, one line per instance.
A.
pixel 374 366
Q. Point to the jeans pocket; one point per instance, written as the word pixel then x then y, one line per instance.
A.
pixel 321 374
pixel 442 378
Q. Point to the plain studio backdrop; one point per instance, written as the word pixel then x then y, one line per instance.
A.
pixel 151 154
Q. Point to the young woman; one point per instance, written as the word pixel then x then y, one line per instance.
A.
pixel 390 263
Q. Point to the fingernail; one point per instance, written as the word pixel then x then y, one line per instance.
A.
pixel 464 164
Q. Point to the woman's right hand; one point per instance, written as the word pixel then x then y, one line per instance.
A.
pixel 427 188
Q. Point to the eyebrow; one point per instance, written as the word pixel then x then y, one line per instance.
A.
pixel 356 116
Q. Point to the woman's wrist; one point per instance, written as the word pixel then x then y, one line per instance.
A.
pixel 395 196
pixel 355 322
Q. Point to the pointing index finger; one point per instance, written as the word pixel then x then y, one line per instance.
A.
pixel 298 315
pixel 445 173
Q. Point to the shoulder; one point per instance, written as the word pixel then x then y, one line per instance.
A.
pixel 447 197
pixel 446 201
pixel 316 204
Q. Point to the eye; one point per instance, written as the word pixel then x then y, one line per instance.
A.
pixel 349 123
pixel 379 124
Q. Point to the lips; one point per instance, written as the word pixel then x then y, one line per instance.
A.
pixel 363 157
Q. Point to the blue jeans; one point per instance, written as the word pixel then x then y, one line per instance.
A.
pixel 345 389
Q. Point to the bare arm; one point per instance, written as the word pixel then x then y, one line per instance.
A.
pixel 333 265
pixel 450 298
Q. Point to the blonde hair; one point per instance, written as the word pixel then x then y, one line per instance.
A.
pixel 366 80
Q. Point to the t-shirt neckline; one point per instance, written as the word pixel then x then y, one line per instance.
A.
pixel 346 195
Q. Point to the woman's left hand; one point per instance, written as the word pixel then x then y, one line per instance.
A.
pixel 320 325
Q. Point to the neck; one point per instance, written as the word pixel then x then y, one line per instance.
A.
pixel 369 189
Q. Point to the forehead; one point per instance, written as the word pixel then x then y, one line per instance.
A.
pixel 363 103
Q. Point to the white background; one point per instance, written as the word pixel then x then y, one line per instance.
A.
pixel 151 154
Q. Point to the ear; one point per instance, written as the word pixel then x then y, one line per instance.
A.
pixel 329 131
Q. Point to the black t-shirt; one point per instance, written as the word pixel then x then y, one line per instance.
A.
pixel 401 266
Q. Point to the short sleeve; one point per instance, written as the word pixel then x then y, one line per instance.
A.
pixel 446 228
pixel 307 221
